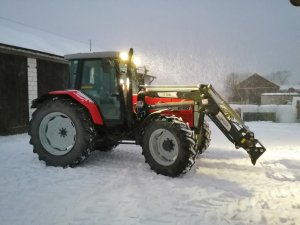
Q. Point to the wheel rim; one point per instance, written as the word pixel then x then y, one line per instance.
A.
pixel 57 133
pixel 163 147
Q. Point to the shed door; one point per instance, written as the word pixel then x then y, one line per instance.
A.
pixel 51 76
pixel 13 94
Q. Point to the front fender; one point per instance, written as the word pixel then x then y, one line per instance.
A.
pixel 145 122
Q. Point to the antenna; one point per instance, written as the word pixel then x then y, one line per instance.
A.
pixel 90 45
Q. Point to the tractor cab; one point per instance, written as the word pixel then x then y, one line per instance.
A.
pixel 108 79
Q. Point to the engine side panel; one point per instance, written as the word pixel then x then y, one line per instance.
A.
pixel 185 112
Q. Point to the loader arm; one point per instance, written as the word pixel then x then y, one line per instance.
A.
pixel 206 101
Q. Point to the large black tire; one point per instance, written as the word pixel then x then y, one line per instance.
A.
pixel 205 138
pixel 62 132
pixel 168 146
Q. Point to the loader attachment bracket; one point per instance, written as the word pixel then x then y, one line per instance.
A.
pixel 256 151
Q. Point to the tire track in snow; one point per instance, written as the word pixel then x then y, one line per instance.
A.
pixel 274 188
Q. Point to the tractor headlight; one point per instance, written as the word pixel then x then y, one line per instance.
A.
pixel 124 56
pixel 136 61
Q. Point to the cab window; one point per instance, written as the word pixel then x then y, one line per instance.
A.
pixel 99 82
pixel 73 66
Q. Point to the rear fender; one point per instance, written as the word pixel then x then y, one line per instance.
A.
pixel 78 96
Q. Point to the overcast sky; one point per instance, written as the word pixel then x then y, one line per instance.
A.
pixel 190 41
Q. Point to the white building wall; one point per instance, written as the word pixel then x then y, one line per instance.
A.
pixel 32 82
pixel 278 98
pixel 284 113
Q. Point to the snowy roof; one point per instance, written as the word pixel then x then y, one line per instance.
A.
pixel 26 37
pixel 289 86
pixel 282 94
pixel 256 81
pixel 93 55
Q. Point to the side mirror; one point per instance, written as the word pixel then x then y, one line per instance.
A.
pixel 295 2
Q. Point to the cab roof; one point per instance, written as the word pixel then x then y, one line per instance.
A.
pixel 92 55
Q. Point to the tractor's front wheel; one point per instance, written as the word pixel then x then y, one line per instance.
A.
pixel 203 140
pixel 62 133
pixel 168 146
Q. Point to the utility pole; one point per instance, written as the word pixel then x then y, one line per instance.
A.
pixel 90 45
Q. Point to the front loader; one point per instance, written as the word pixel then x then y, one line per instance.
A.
pixel 205 101
pixel 108 103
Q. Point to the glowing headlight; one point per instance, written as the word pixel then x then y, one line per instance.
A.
pixel 124 56
pixel 137 61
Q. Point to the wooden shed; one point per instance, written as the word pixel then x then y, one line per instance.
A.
pixel 250 89
pixel 26 74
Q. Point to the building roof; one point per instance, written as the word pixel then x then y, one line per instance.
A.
pixel 256 81
pixel 9 49
pixel 281 94
pixel 16 34
pixel 92 55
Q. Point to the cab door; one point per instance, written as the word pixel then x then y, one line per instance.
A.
pixel 99 81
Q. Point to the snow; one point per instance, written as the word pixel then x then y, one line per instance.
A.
pixel 19 35
pixel 119 188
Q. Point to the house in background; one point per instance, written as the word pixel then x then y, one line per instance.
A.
pixel 287 99
pixel 261 100
pixel 283 97
pixel 249 90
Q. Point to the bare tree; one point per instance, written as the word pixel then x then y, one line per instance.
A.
pixel 231 83
pixel 280 77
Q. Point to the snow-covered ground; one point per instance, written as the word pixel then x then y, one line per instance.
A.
pixel 119 188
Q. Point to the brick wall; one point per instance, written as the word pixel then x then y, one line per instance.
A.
pixel 298 109
pixel 32 82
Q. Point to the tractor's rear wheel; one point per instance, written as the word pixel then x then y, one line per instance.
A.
pixel 62 133
pixel 168 146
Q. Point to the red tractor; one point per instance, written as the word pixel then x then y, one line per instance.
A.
pixel 109 103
